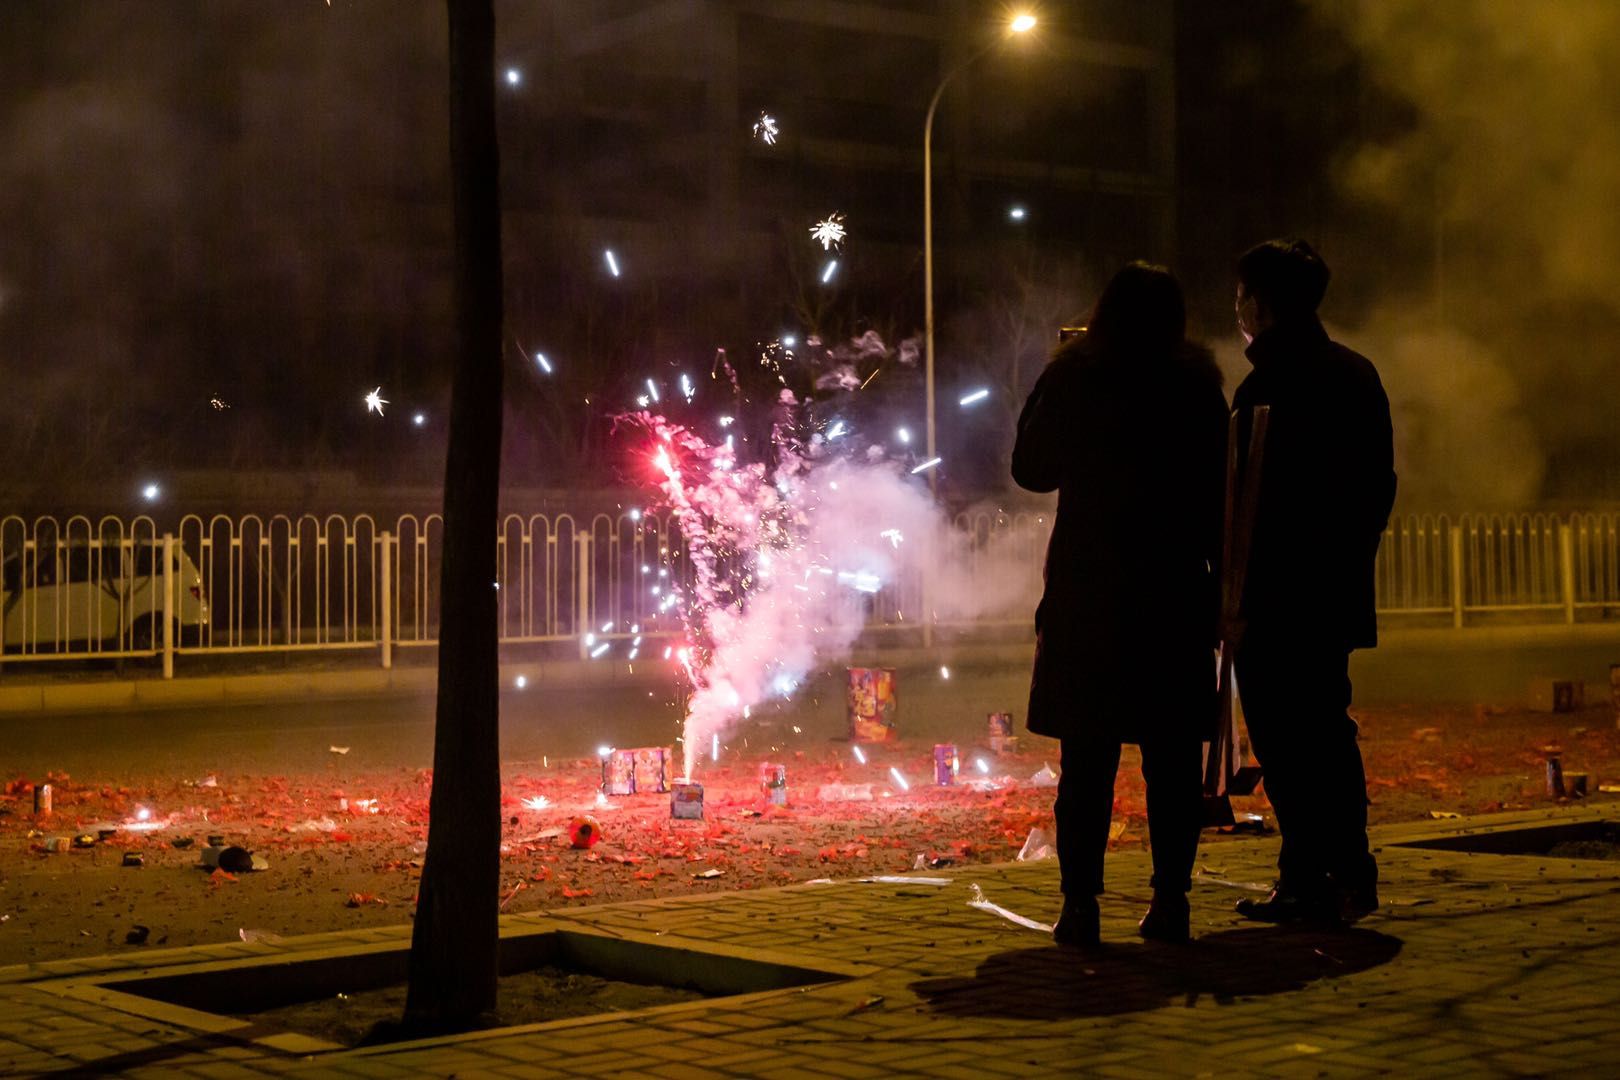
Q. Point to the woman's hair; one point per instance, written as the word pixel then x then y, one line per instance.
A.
pixel 1140 312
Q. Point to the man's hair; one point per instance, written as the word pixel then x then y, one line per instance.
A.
pixel 1288 276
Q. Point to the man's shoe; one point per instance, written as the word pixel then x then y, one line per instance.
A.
pixel 1288 907
pixel 1080 922
pixel 1357 904
pixel 1168 918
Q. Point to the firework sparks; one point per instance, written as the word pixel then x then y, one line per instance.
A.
pixel 829 232
pixel 217 403
pixel 974 398
pixel 537 802
pixel 375 401
pixel 829 270
pixel 545 365
pixel 765 129
pixel 612 262
pixel 925 466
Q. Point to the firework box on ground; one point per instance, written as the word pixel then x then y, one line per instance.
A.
pixel 42 798
pixel 1557 695
pixel 686 800
pixel 773 781
pixel 1002 739
pixel 1614 691
pixel 946 764
pixel 1555 777
pixel 619 772
pixel 872 704
pixel 652 767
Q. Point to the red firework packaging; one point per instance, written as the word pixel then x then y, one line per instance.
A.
pixel 584 831
pixel 872 704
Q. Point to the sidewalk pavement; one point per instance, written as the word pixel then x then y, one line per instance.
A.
pixel 1477 965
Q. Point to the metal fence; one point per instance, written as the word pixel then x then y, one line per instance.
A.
pixel 78 588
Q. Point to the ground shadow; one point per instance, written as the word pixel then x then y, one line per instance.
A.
pixel 1053 983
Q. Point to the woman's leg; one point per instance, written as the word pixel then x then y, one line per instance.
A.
pixel 1172 767
pixel 1083 809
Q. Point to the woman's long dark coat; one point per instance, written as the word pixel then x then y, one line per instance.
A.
pixel 1125 632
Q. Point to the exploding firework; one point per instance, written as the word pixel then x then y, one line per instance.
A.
pixel 375 401
pixel 765 129
pixel 829 232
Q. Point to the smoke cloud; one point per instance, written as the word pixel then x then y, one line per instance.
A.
pixel 1502 194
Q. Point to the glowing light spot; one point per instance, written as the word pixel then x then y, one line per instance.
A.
pixel 765 129
pixel 789 340
pixel 982 765
pixel 545 365
pixel 537 802
pixel 899 778
pixel 635 515
pixel 652 391
pixel 925 466
pixel 151 492
pixel 727 421
pixel 143 813
pixel 375 401
pixel 612 262
pixel 860 755
pixel 522 682
pixel 829 232
pixel 1016 213
pixel 829 270
pixel 1022 24
pixel 513 76
pixel 944 672
pixel 974 398
pixel 904 435
pixel 603 751
pixel 714 747
pixel 597 652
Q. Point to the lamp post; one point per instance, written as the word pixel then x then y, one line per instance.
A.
pixel 1019 24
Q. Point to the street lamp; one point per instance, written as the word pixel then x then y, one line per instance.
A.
pixel 1019 24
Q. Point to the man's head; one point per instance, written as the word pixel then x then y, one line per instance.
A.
pixel 1278 281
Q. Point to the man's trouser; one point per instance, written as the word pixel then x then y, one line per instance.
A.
pixel 1295 697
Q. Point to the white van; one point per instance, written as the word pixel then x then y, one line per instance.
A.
pixel 86 597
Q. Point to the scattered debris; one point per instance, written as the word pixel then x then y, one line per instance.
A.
pixel 1443 815
pixel 137 935
pixel 978 901
pixel 1040 845
pixel 134 858
pixel 1045 777
pixel 260 937
pixel 711 872
pixel 338 749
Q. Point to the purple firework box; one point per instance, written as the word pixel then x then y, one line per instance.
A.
pixel 652 767
pixel 619 772
pixel 1001 731
pixel 946 763
pixel 686 801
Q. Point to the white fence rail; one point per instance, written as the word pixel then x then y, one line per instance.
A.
pixel 80 588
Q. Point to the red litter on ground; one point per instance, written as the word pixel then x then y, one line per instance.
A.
pixel 584 831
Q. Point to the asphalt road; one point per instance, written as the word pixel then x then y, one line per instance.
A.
pixel 390 732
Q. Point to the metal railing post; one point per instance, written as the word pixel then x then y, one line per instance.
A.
pixel 168 605
pixel 582 599
pixel 1454 534
pixel 387 601
pixel 1566 568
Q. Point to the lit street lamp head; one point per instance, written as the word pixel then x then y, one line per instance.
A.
pixel 1021 24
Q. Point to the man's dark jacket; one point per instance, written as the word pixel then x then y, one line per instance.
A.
pixel 1136 449
pixel 1327 485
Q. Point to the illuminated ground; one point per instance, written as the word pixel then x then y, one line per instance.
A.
pixel 276 788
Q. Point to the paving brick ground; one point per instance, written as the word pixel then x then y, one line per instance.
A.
pixel 1478 965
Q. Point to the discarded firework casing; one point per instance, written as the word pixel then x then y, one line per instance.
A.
pixel 134 858
pixel 58 844
pixel 42 798
pixel 651 770
pixel 773 781
pixel 872 704
pixel 1555 777
pixel 1557 695
pixel 946 764
pixel 686 800
pixel 1575 785
pixel 1001 732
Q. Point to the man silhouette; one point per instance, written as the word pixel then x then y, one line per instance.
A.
pixel 1326 489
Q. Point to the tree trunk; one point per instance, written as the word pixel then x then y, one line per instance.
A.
pixel 456 937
